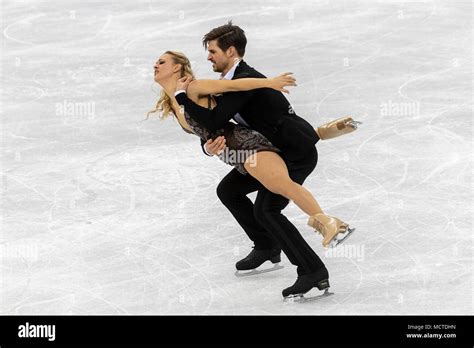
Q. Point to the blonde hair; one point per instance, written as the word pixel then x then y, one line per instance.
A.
pixel 164 103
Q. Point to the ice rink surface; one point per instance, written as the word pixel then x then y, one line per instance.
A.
pixel 104 212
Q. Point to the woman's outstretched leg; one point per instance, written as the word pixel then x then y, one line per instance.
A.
pixel 270 169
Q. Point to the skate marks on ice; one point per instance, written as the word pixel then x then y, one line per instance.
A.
pixel 120 236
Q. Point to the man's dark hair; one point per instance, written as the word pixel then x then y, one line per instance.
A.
pixel 227 35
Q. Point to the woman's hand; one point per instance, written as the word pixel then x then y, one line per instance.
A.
pixel 278 83
pixel 183 83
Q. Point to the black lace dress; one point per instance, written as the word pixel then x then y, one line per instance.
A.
pixel 241 141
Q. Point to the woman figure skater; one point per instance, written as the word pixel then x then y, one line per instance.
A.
pixel 258 156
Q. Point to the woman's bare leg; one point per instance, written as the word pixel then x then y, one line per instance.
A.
pixel 270 169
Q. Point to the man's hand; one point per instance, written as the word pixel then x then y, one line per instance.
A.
pixel 216 146
pixel 183 83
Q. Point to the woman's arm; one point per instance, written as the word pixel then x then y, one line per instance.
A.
pixel 205 87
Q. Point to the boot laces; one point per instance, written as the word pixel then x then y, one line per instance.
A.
pixel 320 227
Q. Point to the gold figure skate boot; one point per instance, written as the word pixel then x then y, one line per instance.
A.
pixel 330 227
pixel 337 128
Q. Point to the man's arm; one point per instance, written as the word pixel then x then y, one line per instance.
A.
pixel 229 105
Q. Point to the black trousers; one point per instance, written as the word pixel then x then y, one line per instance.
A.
pixel 263 221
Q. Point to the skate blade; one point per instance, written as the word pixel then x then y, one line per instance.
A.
pixel 335 242
pixel 300 298
pixel 353 123
pixel 255 271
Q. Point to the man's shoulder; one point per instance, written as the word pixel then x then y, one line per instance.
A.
pixel 244 70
